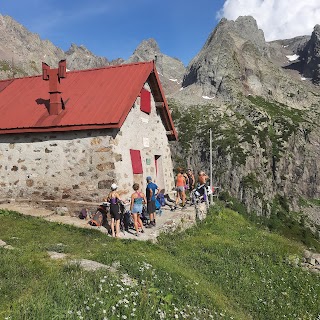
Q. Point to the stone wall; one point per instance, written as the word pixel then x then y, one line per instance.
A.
pixel 58 165
pixel 82 165
pixel 144 132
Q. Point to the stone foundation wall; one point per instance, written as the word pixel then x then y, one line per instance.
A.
pixel 56 165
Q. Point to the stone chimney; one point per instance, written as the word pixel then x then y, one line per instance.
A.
pixel 54 75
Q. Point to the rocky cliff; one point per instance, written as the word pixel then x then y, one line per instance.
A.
pixel 264 117
pixel 22 52
pixel 171 70
pixel 310 57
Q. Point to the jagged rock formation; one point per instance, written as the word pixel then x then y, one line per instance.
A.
pixel 264 117
pixel 22 52
pixel 307 51
pixel 171 70
pixel 79 57
pixel 236 59
pixel 310 57
pixel 288 46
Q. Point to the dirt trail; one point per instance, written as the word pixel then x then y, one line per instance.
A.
pixel 166 222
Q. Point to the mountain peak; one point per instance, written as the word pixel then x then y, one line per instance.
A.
pixel 310 57
pixel 237 59
pixel 147 50
pixel 171 70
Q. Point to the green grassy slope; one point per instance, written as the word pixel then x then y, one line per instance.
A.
pixel 224 268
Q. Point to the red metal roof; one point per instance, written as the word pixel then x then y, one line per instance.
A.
pixel 95 98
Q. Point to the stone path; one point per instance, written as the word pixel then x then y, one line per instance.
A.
pixel 166 222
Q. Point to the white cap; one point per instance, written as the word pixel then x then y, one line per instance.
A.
pixel 114 186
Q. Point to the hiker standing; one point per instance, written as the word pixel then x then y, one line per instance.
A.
pixel 191 179
pixel 180 187
pixel 202 178
pixel 151 191
pixel 200 190
pixel 114 199
pixel 138 199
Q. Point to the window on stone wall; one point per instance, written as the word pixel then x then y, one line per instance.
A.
pixel 145 102
pixel 136 161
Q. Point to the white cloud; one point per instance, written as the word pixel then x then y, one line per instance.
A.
pixel 279 19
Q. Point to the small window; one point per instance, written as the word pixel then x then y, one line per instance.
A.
pixel 136 161
pixel 145 102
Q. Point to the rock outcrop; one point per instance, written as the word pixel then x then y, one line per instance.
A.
pixel 22 52
pixel 236 59
pixel 171 70
pixel 264 117
pixel 310 57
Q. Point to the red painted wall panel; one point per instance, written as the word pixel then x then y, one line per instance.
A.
pixel 136 161
pixel 145 103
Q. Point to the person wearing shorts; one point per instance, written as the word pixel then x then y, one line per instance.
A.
pixel 138 199
pixel 151 192
pixel 114 200
pixel 180 187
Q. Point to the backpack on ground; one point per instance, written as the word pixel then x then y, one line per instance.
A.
pixel 144 216
pixel 161 199
pixel 84 213
pixel 127 221
pixel 158 205
pixel 97 219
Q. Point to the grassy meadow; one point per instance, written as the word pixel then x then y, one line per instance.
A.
pixel 226 267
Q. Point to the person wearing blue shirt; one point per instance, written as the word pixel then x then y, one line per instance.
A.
pixel 151 192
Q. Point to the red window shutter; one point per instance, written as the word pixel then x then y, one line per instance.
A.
pixel 136 161
pixel 145 102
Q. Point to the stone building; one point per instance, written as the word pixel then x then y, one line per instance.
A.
pixel 72 136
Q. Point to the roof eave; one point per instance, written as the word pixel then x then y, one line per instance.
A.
pixel 164 110
pixel 60 128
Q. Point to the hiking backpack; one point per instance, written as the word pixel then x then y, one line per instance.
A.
pixel 83 213
pixel 161 199
pixel 97 219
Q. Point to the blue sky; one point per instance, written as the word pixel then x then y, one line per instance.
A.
pixel 114 28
